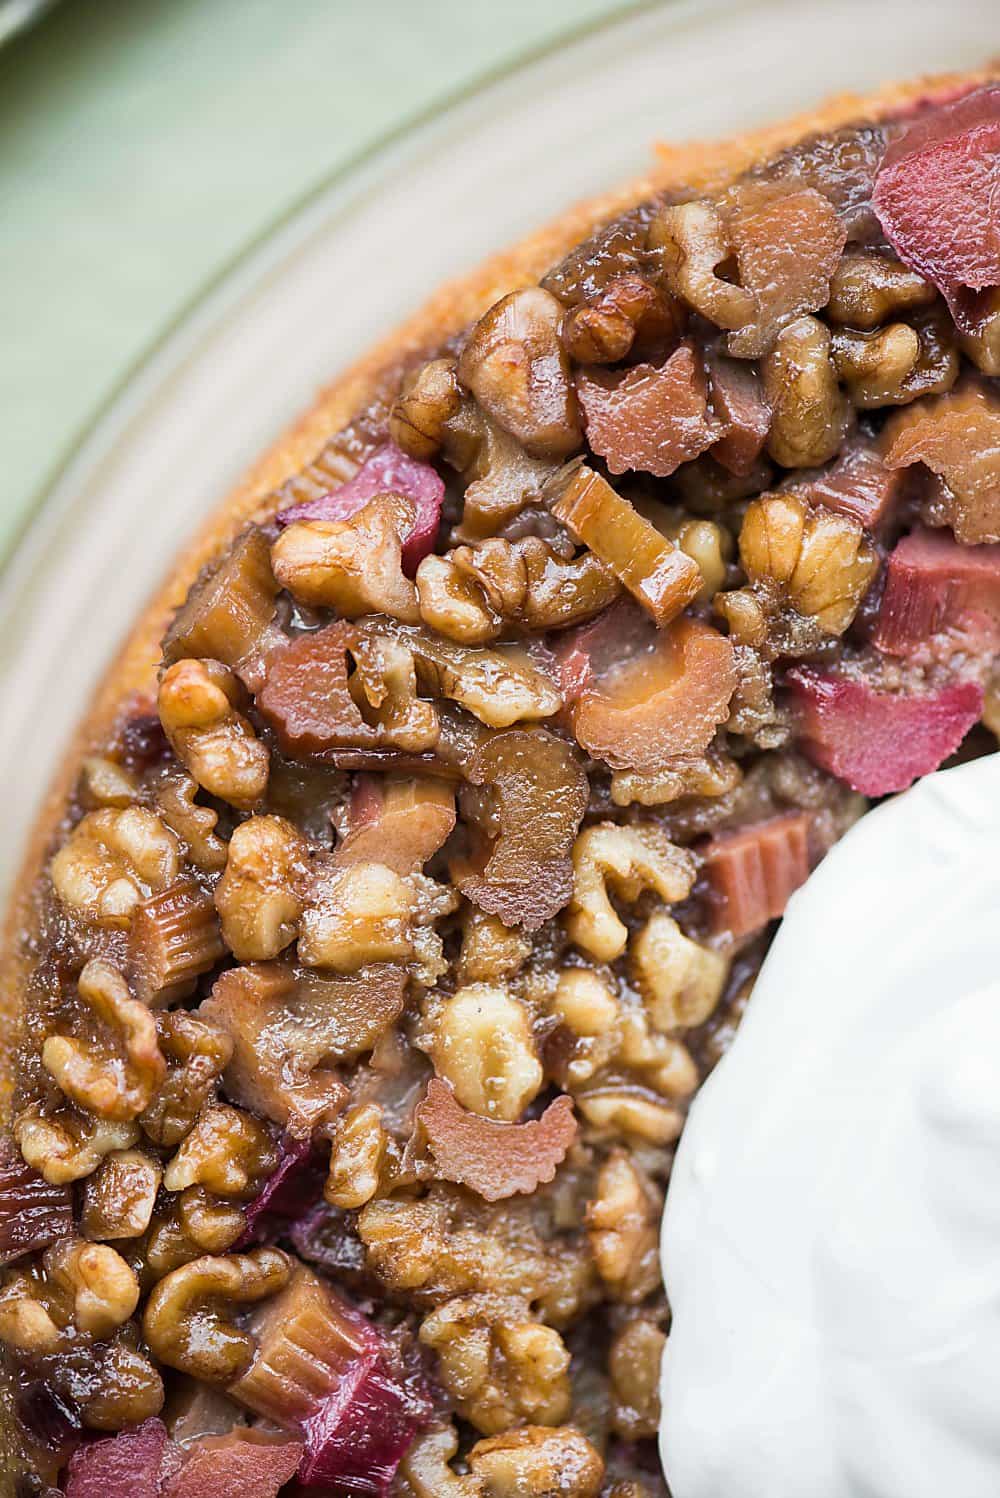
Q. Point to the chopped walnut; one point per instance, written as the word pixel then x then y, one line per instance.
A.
pixel 620 1110
pixel 624 1225
pixel 634 1364
pixel 893 365
pixel 194 1224
pixel 197 1054
pixel 708 775
pixel 428 399
pixel 356 915
pixel 691 239
pixel 27 1324
pixel 500 1367
pixel 809 412
pixel 449 1244
pixel 113 859
pixel 103 1290
pixel 260 897
pixel 357 1153
pixel 630 859
pixel 680 981
pixel 537 1462
pixel 227 1152
pixel 425 1471
pixel 490 950
pixel 198 704
pixel 70 1146
pixel 104 782
pixel 185 1321
pixel 808 570
pixel 868 290
pixel 120 1196
pixel 499 687
pixel 482 1044
pixel 114 1068
pixel 195 825
pixel 474 593
pixel 354 566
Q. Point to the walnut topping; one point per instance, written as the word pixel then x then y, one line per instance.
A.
pixel 198 709
pixel 120 1196
pixel 809 412
pixel 804 559
pixel 691 239
pixel 482 1044
pixel 634 1365
pixel 354 566
pixel 624 1220
pixel 357 915
pixel 630 859
pixel 194 825
pixel 680 981
pixel 868 289
pixel 427 401
pixel 113 1068
pixel 197 1054
pixel 185 1319
pixel 499 1365
pixel 537 1461
pixel 227 1152
pixel 357 1154
pixel 112 860
pixel 895 364
pixel 69 1146
pixel 515 365
pixel 260 897
pixel 103 1289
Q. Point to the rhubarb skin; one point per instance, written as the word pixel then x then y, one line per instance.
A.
pixel 935 587
pixel 33 1214
pixel 752 872
pixel 879 742
pixel 128 1465
pixel 244 1464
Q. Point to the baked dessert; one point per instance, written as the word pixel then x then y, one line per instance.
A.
pixel 416 861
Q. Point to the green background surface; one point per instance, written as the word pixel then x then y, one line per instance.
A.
pixel 145 143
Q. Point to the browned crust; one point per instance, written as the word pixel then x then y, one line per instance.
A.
pixel 699 165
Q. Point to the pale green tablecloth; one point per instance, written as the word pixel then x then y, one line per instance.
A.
pixel 144 143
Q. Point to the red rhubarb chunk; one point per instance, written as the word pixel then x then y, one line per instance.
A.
pixel 33 1214
pixel 387 471
pixel 956 436
pixel 937 196
pixel 649 418
pixel 936 588
pixel 879 742
pixel 129 1465
pixel 245 1464
pixel 738 402
pixel 858 483
pixel 753 871
pixel 400 821
pixel 289 1191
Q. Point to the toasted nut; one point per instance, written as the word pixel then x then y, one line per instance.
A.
pixel 499 687
pixel 425 1468
pixel 538 1462
pixel 515 365
pixel 429 398
pixel 500 1367
pixel 483 1046
pixel 357 1152
pixel 103 1289
pixel 259 896
pixel 892 366
pixel 227 1152
pixel 195 825
pixel 982 344
pixel 198 1053
pixel 120 1196
pixel 692 244
pixel 810 413
pixel 630 859
pixel 185 1320
pixel 26 1322
pixel 868 290
pixel 69 1147
pixel 125 1390
pixel 680 981
pixel 490 950
pixel 104 782
pixel 112 860
pixel 624 1113
pixel 634 1364
pixel 710 774
pixel 663 1063
pixel 624 1225
pixel 354 566
pixel 195 1224
pixel 356 915
pixel 115 1071
pixel 198 709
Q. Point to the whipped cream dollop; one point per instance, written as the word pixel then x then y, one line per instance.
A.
pixel 831 1241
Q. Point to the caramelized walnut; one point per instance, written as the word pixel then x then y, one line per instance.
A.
pixel 261 896
pixel 428 399
pixel 358 1148
pixel 515 365
pixel 112 860
pixel 630 859
pixel 624 1223
pixel 185 1321
pixel 692 243
pixel 630 310
pixel 198 709
pixel 227 1152
pixel 483 1046
pixel 197 1054
pixel 809 412
pixel 537 1461
pixel 194 825
pixel 499 1366
pixel 895 364
pixel 353 566
pixel 69 1146
pixel 868 290
pixel 680 981
pixel 102 1290
pixel 634 1364
pixel 120 1196
pixel 115 1066
pixel 357 915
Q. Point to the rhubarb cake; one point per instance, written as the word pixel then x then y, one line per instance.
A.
pixel 416 861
